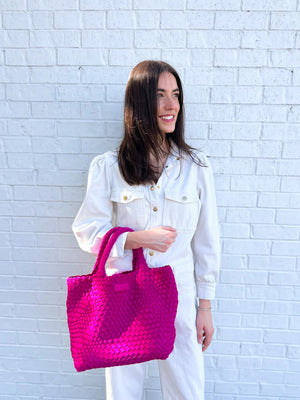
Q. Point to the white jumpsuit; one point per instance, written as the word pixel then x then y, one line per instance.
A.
pixel 183 198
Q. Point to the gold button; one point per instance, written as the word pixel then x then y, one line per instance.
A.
pixel 184 197
pixel 155 209
pixel 152 188
pixel 151 253
pixel 166 166
pixel 178 158
pixel 158 187
pixel 125 197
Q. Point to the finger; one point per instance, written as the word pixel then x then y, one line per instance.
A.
pixel 169 228
pixel 200 336
pixel 207 341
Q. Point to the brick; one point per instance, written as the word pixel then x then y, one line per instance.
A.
pixel 272 263
pixel 80 57
pixel 55 110
pixel 92 111
pixel 147 19
pixel 187 20
pixel 291 150
pixel 209 76
pixel 14 110
pixel 13 5
pixel 267 40
pixel 63 74
pixel 53 178
pixel 263 349
pixel 256 149
pixel 280 132
pixel 288 278
pixel 273 95
pixel 30 92
pixel 93 19
pixel 31 127
pixel 156 4
pixel 285 58
pixel 253 215
pixel 67 19
pixel 162 39
pixel 285 20
pixel 116 39
pixel 213 39
pixel 240 58
pixel 290 184
pixel 257 183
pixel 14 38
pixel 16 20
pixel 241 20
pixel 249 335
pixel 20 160
pixel 31 57
pixel 206 112
pixel 119 57
pixel 228 199
pixel 80 93
pixel 42 20
pixel 17 145
pixel 265 321
pixel 243 246
pixel 290 337
pixel 261 113
pixel 53 4
pixel 98 145
pixel 80 128
pixel 264 76
pixel 269 5
pixel 275 232
pixel 240 95
pixel 121 20
pixel 215 5
pixel 62 38
pixel 294 114
pixel 105 4
pixel 235 130
pixel 285 248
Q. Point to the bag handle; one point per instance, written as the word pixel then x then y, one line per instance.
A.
pixel 107 243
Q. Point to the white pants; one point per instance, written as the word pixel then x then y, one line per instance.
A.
pixel 182 374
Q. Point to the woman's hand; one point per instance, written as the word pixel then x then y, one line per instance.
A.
pixel 158 239
pixel 204 324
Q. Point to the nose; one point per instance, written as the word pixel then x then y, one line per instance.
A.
pixel 170 103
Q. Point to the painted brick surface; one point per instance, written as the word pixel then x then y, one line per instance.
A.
pixel 63 69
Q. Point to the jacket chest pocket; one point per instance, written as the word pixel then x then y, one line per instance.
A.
pixel 129 208
pixel 181 210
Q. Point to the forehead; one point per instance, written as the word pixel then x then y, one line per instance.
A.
pixel 166 79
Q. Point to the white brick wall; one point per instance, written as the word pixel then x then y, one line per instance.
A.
pixel 63 69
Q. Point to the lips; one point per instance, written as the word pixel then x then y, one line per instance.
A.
pixel 167 117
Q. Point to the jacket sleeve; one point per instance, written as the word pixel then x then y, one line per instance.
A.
pixel 95 215
pixel 206 242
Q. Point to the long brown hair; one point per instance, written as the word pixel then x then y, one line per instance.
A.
pixel 141 131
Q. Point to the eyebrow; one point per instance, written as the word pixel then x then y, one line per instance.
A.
pixel 163 90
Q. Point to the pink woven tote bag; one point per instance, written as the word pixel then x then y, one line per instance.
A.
pixel 122 319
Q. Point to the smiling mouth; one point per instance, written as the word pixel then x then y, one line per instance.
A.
pixel 167 117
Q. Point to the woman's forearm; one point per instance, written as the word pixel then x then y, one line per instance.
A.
pixel 159 238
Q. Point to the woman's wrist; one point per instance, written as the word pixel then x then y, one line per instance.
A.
pixel 135 240
pixel 203 304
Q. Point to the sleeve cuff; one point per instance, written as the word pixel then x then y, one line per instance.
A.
pixel 118 248
pixel 206 291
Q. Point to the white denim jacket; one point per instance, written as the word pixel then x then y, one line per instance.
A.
pixel 183 197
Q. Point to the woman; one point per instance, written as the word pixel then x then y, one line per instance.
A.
pixel 163 189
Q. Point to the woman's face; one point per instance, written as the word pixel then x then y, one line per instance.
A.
pixel 167 102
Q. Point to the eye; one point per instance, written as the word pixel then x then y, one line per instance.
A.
pixel 159 95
